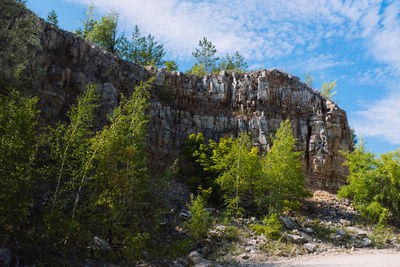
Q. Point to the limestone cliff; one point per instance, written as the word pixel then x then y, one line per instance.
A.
pixel 216 105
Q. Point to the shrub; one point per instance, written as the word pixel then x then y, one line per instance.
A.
pixel 281 186
pixel 18 121
pixel 374 184
pixel 199 223
pixel 271 227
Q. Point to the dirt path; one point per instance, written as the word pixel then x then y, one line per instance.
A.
pixel 364 258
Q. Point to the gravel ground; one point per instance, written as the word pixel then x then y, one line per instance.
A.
pixel 364 258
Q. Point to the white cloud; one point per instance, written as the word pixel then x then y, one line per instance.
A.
pixel 258 29
pixel 268 30
pixel 320 62
pixel 380 119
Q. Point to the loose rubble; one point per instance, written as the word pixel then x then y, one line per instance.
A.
pixel 325 225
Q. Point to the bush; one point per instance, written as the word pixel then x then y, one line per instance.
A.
pixel 374 184
pixel 271 227
pixel 18 121
pixel 199 223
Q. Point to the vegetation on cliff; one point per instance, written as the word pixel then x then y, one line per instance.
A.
pixel 76 186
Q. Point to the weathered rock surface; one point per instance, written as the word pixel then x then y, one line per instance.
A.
pixel 216 105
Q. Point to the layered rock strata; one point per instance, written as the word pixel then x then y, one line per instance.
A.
pixel 216 105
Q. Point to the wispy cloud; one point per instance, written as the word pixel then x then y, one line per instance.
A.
pixel 321 62
pixel 259 29
pixel 269 30
pixel 381 118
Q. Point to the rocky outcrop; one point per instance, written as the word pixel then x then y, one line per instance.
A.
pixel 216 105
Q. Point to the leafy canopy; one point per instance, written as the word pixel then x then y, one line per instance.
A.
pixel 268 183
pixel 282 175
pixel 374 184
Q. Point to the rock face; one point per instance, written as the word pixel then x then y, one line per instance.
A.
pixel 216 105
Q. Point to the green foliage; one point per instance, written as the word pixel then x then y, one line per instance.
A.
pixel 143 50
pixel 197 69
pixel 195 153
pixel 70 143
pixel 272 183
pixel 205 55
pixel 374 184
pixel 101 179
pixel 177 249
pixel 282 175
pixel 237 162
pixel 230 233
pixel 105 33
pixel 171 65
pixel 52 18
pixel 200 220
pixel 375 212
pixel 309 79
pixel 381 235
pixel 271 227
pixel 354 137
pixel 328 88
pixel 20 33
pixel 234 63
pixel 120 179
pixel 88 23
pixel 18 121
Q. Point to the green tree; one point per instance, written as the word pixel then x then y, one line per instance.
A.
pixel 309 79
pixel 374 184
pixel 105 33
pixel 120 179
pixel 143 50
pixel 237 162
pixel 52 18
pixel 18 129
pixel 235 63
pixel 282 181
pixel 205 54
pixel 19 35
pixel 171 65
pixel 328 88
pixel 197 69
pixel 88 23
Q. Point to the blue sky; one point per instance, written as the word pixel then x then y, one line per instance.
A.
pixel 355 42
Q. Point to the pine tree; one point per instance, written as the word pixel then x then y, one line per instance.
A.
pixel 171 65
pixel 143 50
pixel 235 63
pixel 205 55
pixel 52 18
